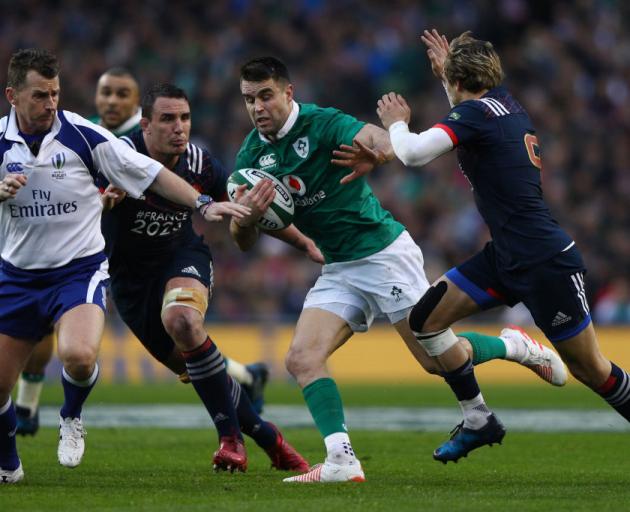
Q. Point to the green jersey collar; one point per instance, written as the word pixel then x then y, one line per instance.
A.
pixel 290 122
pixel 130 123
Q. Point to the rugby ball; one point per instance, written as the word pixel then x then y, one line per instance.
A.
pixel 280 212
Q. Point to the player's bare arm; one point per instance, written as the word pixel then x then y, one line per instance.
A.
pixel 437 50
pixel 10 185
pixel 294 237
pixel 371 147
pixel 172 187
pixel 244 231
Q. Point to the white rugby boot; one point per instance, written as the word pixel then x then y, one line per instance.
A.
pixel 71 442
pixel 543 361
pixel 11 476
pixel 331 472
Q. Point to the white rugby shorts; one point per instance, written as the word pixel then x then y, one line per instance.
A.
pixel 387 283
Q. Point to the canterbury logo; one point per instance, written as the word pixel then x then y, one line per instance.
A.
pixel 15 167
pixel 267 160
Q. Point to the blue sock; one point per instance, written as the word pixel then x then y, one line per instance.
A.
pixel 75 393
pixel 463 382
pixel 251 423
pixel 9 459
pixel 616 391
pixel 206 369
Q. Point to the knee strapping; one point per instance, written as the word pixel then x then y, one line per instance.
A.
pixel 436 343
pixel 425 306
pixel 188 297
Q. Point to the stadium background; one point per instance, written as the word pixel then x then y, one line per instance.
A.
pixel 567 61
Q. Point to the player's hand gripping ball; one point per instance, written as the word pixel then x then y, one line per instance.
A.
pixel 280 212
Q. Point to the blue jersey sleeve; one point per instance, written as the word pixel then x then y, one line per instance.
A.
pixel 464 123
pixel 215 177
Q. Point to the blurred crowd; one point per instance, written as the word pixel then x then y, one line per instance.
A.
pixel 568 62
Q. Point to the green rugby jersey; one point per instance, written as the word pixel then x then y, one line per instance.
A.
pixel 347 222
pixel 126 128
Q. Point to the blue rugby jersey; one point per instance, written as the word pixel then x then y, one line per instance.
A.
pixel 148 230
pixel 498 152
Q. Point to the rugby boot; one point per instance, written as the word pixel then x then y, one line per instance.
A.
pixel 283 456
pixel 11 476
pixel 329 472
pixel 231 455
pixel 543 361
pixel 463 440
pixel 71 442
pixel 27 423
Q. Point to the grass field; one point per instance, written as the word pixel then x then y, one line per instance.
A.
pixel 161 469
pixel 538 395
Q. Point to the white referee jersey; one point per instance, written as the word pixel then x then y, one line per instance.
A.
pixel 56 217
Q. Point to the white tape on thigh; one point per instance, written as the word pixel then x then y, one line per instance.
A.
pixel 436 343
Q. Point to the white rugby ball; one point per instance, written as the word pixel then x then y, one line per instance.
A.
pixel 280 212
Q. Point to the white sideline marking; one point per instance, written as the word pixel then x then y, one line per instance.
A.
pixel 357 418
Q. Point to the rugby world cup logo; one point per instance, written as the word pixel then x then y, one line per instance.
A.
pixel 59 160
pixel 294 184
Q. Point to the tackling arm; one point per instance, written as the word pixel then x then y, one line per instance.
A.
pixel 376 139
pixel 417 149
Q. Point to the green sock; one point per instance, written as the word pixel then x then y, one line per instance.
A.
pixel 33 377
pixel 484 347
pixel 324 401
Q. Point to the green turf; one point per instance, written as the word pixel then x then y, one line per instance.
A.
pixel 163 470
pixel 539 396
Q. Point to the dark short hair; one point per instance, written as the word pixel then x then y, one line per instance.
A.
pixel 162 90
pixel 23 61
pixel 264 68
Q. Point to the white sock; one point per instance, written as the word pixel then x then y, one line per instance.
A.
pixel 475 412
pixel 28 394
pixel 515 349
pixel 239 372
pixel 339 448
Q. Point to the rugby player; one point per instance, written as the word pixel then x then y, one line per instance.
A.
pixel 530 258
pixel 53 269
pixel 161 279
pixel 372 266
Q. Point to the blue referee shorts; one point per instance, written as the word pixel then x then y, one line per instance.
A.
pixel 31 301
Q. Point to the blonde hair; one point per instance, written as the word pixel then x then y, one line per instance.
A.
pixel 473 63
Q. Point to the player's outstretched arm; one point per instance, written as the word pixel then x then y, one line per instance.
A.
pixel 172 187
pixel 371 147
pixel 412 149
pixel 437 50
